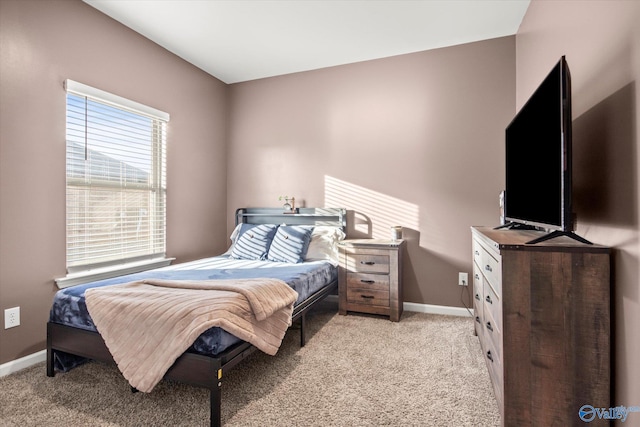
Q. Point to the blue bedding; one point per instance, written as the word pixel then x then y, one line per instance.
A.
pixel 306 278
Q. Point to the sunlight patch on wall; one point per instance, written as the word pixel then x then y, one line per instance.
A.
pixel 374 213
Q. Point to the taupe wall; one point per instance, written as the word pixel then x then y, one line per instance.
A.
pixel 44 43
pixel 414 140
pixel 601 40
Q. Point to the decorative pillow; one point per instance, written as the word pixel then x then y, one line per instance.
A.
pixel 324 244
pixel 253 241
pixel 290 243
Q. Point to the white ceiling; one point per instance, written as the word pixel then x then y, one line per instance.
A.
pixel 241 40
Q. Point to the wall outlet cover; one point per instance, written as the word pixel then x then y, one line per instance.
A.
pixel 12 317
pixel 463 279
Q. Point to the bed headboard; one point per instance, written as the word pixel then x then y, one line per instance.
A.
pixel 336 217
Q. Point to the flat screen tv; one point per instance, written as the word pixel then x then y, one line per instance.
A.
pixel 538 159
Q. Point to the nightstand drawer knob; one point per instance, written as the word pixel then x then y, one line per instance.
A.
pixel 488 268
pixel 367 296
pixel 368 281
pixel 489 356
pixel 489 327
pixel 478 297
pixel 367 262
pixel 478 319
pixel 488 299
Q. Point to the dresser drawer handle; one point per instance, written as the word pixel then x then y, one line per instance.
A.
pixel 489 327
pixel 478 297
pixel 488 268
pixel 476 276
pixel 476 252
pixel 488 299
pixel 368 281
pixel 367 296
pixel 367 262
pixel 478 319
pixel 489 356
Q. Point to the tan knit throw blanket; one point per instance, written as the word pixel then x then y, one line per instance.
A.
pixel 148 324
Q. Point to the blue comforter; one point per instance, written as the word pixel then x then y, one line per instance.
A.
pixel 306 278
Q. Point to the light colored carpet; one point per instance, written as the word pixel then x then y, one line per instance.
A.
pixel 356 370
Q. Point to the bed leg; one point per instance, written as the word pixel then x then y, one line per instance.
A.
pixel 50 369
pixel 216 402
pixel 303 324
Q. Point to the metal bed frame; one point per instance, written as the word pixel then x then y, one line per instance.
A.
pixel 196 369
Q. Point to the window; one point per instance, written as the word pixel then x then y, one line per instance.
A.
pixel 116 180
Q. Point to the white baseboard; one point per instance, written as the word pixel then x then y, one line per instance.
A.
pixel 436 309
pixel 22 363
pixel 426 308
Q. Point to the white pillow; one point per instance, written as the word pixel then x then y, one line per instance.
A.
pixel 233 237
pixel 324 244
pixel 234 233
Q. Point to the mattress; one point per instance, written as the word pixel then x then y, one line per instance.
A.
pixel 306 278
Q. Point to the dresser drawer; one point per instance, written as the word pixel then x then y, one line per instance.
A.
pixel 369 289
pixel 493 358
pixel 478 320
pixel 367 263
pixel 494 365
pixel 491 269
pixel 478 296
pixel 478 293
pixel 477 310
pixel 477 252
pixel 492 306
pixel 493 332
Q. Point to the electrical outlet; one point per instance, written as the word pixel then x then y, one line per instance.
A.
pixel 463 279
pixel 12 317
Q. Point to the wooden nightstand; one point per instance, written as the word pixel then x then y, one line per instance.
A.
pixel 370 277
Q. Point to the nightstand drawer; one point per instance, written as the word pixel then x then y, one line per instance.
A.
pixel 366 263
pixel 368 281
pixel 370 289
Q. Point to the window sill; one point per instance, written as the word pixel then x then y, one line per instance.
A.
pixel 112 271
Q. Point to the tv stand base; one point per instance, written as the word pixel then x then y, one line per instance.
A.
pixel 559 233
pixel 552 235
pixel 515 226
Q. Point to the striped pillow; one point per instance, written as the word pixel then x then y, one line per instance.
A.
pixel 253 241
pixel 290 243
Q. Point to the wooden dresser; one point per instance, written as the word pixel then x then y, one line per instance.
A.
pixel 370 277
pixel 543 319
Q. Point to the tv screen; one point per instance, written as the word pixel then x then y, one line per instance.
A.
pixel 538 156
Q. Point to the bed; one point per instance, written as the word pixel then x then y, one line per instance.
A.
pixel 72 336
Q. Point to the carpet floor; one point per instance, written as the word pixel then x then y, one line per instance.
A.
pixel 356 370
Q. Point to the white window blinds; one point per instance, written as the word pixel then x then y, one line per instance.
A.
pixel 116 180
